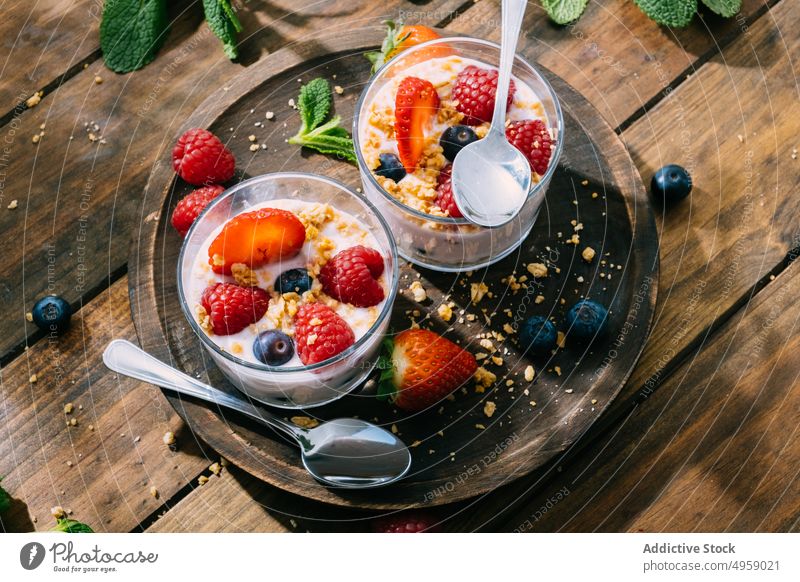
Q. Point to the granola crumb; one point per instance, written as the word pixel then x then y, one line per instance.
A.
pixel 34 100
pixel 202 480
pixel 484 377
pixel 98 80
pixel 33 379
pixel 529 373
pixel 73 422
pixel 154 492
pixel 68 408
pixel 489 408
pixel 254 147
pixel 418 291
pixel 236 348
pixel 304 421
pixel 244 275
pixel 538 270
pixel 557 370
pixel 270 115
pixel 477 291
pixel 29 316
pixel 594 400
pixel 169 438
pixel 480 426
pixel 251 137
pixel 561 340
pixel 58 512
pixel 445 312
pixel 215 468
pixel 588 254
pixel 339 89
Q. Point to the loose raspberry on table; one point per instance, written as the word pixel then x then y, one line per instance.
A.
pixel 231 308
pixel 320 333
pixel 405 522
pixel 474 93
pixel 351 276
pixel 190 206
pixel 532 139
pixel 201 158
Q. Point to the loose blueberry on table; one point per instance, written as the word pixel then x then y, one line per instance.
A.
pixel 586 320
pixel 538 335
pixel 52 314
pixel 671 183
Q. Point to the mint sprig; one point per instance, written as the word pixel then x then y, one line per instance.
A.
pixel 224 23
pixel 67 525
pixel 564 11
pixel 675 13
pixel 725 8
pixel 131 33
pixel 329 138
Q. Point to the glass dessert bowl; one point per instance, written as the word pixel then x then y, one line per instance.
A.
pixel 414 116
pixel 289 281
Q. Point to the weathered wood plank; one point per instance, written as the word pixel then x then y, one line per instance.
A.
pixel 715 449
pixel 102 468
pixel 78 199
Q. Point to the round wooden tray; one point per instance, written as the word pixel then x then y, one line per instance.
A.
pixel 458 451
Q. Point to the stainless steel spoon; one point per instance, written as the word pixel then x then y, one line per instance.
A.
pixel 490 177
pixel 345 452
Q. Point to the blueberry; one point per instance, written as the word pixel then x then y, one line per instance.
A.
pixel 671 183
pixel 455 138
pixel 52 313
pixel 391 167
pixel 293 281
pixel 273 347
pixel 538 334
pixel 586 320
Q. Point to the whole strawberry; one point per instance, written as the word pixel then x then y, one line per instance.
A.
pixel 232 308
pixel 190 206
pixel 201 158
pixel 444 193
pixel 406 522
pixel 424 369
pixel 351 276
pixel 474 93
pixel 320 333
pixel 532 139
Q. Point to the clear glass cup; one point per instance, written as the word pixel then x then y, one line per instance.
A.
pixel 454 244
pixel 298 386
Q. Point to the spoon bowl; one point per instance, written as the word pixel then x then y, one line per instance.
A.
pixel 346 452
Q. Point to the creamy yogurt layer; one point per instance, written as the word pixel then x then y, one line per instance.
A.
pixel 328 231
pixel 377 135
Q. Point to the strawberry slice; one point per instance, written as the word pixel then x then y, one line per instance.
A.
pixel 256 238
pixel 415 105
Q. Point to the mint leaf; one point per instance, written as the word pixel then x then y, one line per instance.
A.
pixel 314 103
pixel 330 137
pixel 5 500
pixel 564 11
pixel 726 8
pixel 71 526
pixel 131 33
pixel 669 12
pixel 224 23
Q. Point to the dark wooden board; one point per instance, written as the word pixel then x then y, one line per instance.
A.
pixel 618 221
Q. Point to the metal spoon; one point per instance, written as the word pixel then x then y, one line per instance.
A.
pixel 345 452
pixel 490 177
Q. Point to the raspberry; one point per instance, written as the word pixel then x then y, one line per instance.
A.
pixel 444 189
pixel 320 333
pixel 200 158
pixel 474 93
pixel 351 276
pixel 405 522
pixel 190 206
pixel 232 308
pixel 532 139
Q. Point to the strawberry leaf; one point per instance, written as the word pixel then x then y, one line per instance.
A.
pixel 675 13
pixel 131 32
pixel 564 11
pixel 726 8
pixel 386 387
pixel 390 43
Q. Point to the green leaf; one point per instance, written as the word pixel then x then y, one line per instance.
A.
pixel 564 11
pixel 390 42
pixel 131 32
pixel 67 525
pixel 675 13
pixel 386 387
pixel 726 8
pixel 224 23
pixel 314 103
pixel 5 500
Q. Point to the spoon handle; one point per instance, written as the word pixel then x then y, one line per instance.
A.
pixel 125 358
pixel 513 12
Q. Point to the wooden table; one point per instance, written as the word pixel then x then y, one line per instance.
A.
pixel 703 437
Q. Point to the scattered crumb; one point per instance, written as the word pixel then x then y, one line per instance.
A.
pixel 562 340
pixel 169 438
pixel 58 512
pixel 588 254
pixel 154 492
pixel 202 480
pixel 445 312
pixel 215 468
pixel 254 147
pixel 538 270
pixel 34 100
pixel 557 370
pixel 98 80
pixel 68 408
pixel 489 408
pixel 418 291
pixel 529 373
pixel 270 115
pixel 33 379
pixel 304 421
pixel 29 316
pixel 477 291
pixel 339 89
pixel 594 400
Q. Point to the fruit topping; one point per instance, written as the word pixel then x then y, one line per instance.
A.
pixel 406 522
pixel 416 103
pixel 190 206
pixel 320 333
pixel 399 37
pixel 474 93
pixel 586 320
pixel 351 276
pixel 294 281
pixel 455 138
pixel 391 167
pixel 52 314
pixel 201 158
pixel 538 335
pixel 256 238
pixel 231 308
pixel 532 139
pixel 273 347
pixel 444 193
pixel 671 183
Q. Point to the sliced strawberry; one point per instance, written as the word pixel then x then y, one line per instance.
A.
pixel 416 104
pixel 256 238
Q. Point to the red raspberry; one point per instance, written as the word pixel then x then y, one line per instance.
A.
pixel 532 139
pixel 190 206
pixel 232 308
pixel 444 189
pixel 320 333
pixel 351 276
pixel 474 93
pixel 405 522
pixel 200 158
